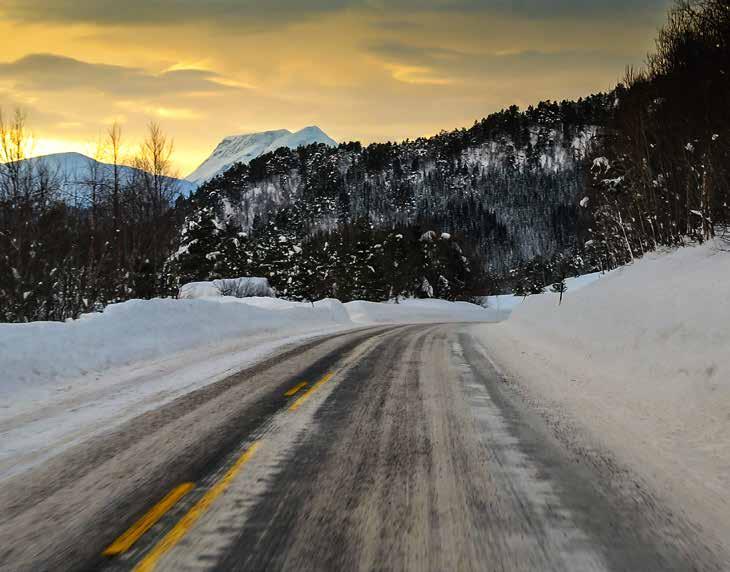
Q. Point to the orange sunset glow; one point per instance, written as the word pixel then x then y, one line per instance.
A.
pixel 368 71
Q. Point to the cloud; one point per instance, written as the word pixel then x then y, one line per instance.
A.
pixel 532 9
pixel 11 101
pixel 52 73
pixel 275 13
pixel 439 65
pixel 248 13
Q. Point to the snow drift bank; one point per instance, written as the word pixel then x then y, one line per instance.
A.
pixel 503 305
pixel 137 330
pixel 667 317
pixel 641 358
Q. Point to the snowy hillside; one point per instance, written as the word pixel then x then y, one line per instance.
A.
pixel 641 360
pixel 75 174
pixel 510 186
pixel 244 148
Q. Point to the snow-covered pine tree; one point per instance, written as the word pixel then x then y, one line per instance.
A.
pixel 201 243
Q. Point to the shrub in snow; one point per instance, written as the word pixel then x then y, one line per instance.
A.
pixel 426 289
pixel 559 288
pixel 244 287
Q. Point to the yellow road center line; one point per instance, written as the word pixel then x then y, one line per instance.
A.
pixel 126 540
pixel 148 563
pixel 294 390
pixel 304 396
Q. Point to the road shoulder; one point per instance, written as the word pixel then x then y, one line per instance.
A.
pixel 628 466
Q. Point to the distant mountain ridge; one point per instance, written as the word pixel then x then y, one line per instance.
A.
pixel 245 148
pixel 74 174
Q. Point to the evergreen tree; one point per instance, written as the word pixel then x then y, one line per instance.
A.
pixel 200 246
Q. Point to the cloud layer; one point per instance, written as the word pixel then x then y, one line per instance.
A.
pixel 361 69
pixel 48 73
pixel 242 12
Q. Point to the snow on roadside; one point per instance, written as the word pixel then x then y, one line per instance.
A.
pixel 418 311
pixel 504 304
pixel 45 420
pixel 42 353
pixel 641 360
pixel 62 383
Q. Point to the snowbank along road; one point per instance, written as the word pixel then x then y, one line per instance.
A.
pixel 391 448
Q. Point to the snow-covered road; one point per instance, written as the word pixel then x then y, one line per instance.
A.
pixel 393 448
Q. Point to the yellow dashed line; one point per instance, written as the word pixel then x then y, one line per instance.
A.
pixel 294 390
pixel 148 563
pixel 302 398
pixel 126 540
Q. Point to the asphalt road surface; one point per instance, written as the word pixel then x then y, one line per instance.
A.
pixel 392 448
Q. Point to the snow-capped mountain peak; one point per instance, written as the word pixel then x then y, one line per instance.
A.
pixel 74 174
pixel 244 148
pixel 306 136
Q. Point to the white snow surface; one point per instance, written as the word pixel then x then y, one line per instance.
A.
pixel 418 311
pixel 136 331
pixel 503 305
pixel 640 360
pixel 244 148
pixel 62 383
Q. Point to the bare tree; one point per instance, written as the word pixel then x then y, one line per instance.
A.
pixel 28 190
pixel 118 228
pixel 154 160
pixel 114 139
pixel 95 183
pixel 15 178
pixel 153 190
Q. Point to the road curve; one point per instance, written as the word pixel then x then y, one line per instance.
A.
pixel 391 448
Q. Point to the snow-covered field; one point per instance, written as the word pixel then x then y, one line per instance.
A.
pixel 640 360
pixel 62 382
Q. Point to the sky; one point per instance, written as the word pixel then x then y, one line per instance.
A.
pixel 367 70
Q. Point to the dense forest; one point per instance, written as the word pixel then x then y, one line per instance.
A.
pixel 517 202
pixel 504 192
pixel 662 172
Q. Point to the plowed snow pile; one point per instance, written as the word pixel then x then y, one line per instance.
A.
pixel 641 359
pixel 42 352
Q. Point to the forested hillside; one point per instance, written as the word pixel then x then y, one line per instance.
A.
pixel 505 191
